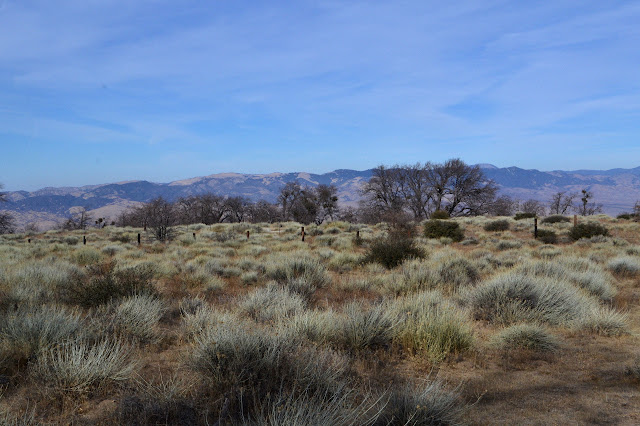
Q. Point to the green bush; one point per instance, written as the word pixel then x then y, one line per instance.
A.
pixel 440 214
pixel 547 236
pixel 556 218
pixel 497 225
pixel 392 251
pixel 520 216
pixel 439 228
pixel 587 230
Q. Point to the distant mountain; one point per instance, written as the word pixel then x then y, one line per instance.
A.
pixel 616 189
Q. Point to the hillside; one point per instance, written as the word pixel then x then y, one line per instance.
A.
pixel 616 189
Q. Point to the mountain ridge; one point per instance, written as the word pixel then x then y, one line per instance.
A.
pixel 617 189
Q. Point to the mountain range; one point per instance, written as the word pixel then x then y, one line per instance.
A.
pixel 617 190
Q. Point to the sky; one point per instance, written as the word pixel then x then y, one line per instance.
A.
pixel 98 91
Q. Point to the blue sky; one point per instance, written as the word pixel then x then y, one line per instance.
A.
pixel 103 91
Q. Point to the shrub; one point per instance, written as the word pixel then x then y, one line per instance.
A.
pixel 453 272
pixel 77 366
pixel 439 214
pixel 556 218
pixel 138 316
pixel 27 332
pixel 587 230
pixel 496 225
pixel 426 404
pixel 526 336
pixel 516 297
pixel 624 266
pixel 547 236
pixel 431 327
pixel 604 321
pixel 439 228
pixel 361 328
pixel 286 268
pixel 520 216
pixel 107 283
pixel 87 256
pixel 392 251
pixel 272 303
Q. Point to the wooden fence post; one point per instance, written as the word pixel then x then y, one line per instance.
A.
pixel 29 240
pixel 303 233
pixel 535 227
pixel 194 235
pixel 138 238
pixel 575 220
pixel 84 240
pixel 247 235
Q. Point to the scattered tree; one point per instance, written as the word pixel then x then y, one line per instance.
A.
pixel 588 207
pixel 561 202
pixel 503 206
pixel 533 207
pixel 7 222
pixel 80 219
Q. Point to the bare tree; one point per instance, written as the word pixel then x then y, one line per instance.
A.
pixel 588 207
pixel 385 190
pixel 533 207
pixel 561 202
pixel 161 216
pixel 327 199
pixel 289 195
pixel 7 222
pixel 417 191
pixel 503 206
pixel 465 188
pixel 263 211
pixel 80 219
pixel 237 208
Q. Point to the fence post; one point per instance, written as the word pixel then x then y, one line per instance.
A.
pixel 575 220
pixel 29 240
pixel 358 234
pixel 303 233
pixel 84 240
pixel 194 235
pixel 535 227
pixel 247 235
pixel 138 238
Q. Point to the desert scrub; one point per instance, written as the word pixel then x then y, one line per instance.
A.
pixel 604 321
pixel 138 316
pixel 435 228
pixel 425 403
pixel 25 333
pixel 516 297
pixel 286 267
pixel 86 256
pixel 508 244
pixel 547 236
pixel 531 337
pixel 344 262
pixel 431 326
pixel 392 250
pixel 556 218
pixel 272 303
pixel 587 230
pixel 80 365
pixel 452 271
pixel 520 216
pixel 624 266
pixel 361 328
pixel 579 272
pixel 496 226
pixel 106 282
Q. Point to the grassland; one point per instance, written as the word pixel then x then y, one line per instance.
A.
pixel 219 328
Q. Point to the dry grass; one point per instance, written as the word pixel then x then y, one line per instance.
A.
pixel 272 330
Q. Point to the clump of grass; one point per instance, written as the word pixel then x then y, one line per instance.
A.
pixel 515 297
pixel 364 328
pixel 526 336
pixel 604 321
pixel 428 403
pixel 79 365
pixel 435 228
pixel 138 316
pixel 431 326
pixel 588 230
pixel 286 268
pixel 30 330
pixel 455 271
pixel 87 256
pixel 508 244
pixel 271 303
pixel 624 266
pixel 496 225
pixel 555 218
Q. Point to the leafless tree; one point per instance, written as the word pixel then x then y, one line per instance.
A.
pixel 263 211
pixel 327 199
pixel 417 191
pixel 385 189
pixel 237 208
pixel 561 202
pixel 533 207
pixel 80 219
pixel 160 216
pixel 503 206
